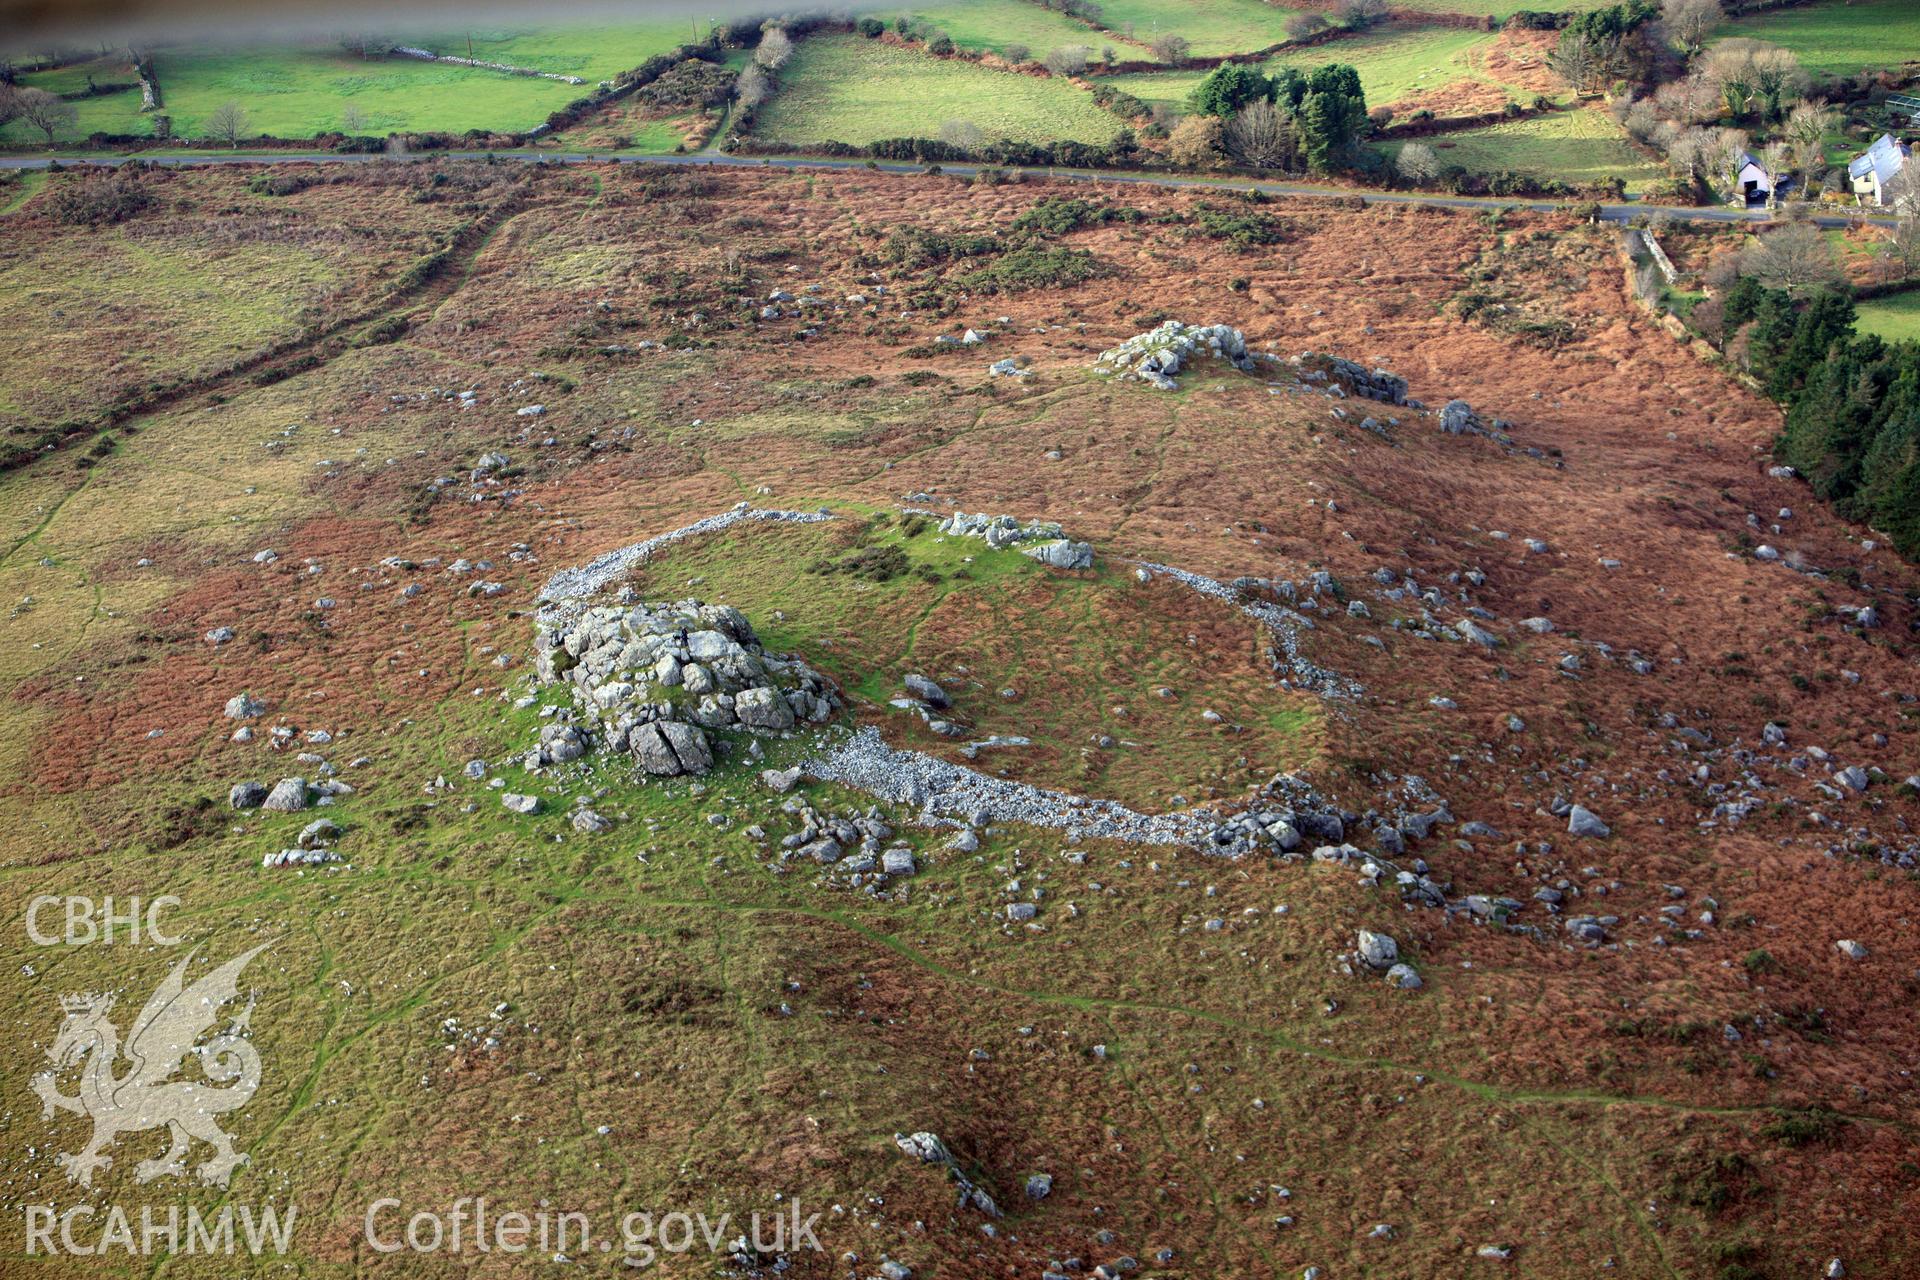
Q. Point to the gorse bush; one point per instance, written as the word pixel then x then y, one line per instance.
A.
pixel 1034 268
pixel 98 199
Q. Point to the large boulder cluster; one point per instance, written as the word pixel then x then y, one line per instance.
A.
pixel 1044 540
pixel 1156 356
pixel 651 679
pixel 1355 379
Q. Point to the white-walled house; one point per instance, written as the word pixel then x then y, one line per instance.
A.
pixel 1751 181
pixel 1873 171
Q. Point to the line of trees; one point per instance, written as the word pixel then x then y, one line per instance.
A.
pixel 1782 310
pixel 1284 121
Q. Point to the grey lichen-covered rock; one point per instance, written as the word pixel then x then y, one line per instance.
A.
pixel 1376 949
pixel 246 795
pixel 1376 384
pixel 1039 1186
pixel 1457 418
pixel 651 679
pixel 763 708
pixel 289 795
pixel 318 833
pixel 244 706
pixel 1404 977
pixel 928 1148
pixel 1156 356
pixel 299 858
pixel 515 803
pixel 669 748
pixel 925 690
pixel 1582 821
pixel 1044 540
pixel 780 781
pixel 1063 553
pixel 1471 631
pixel 924 1146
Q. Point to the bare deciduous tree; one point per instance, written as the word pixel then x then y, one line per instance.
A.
pixel 1305 26
pixel 47 112
pixel 962 133
pixel 1172 49
pixel 1689 22
pixel 228 122
pixel 753 86
pixel 352 119
pixel 1730 69
pixel 1016 53
pixel 1806 130
pixel 1585 62
pixel 1068 60
pixel 1260 137
pixel 1794 260
pixel 774 49
pixel 1691 99
pixel 1777 78
pixel 1903 246
pixel 1774 159
pixel 1752 76
pixel 1724 149
pixel 1692 154
pixel 1418 163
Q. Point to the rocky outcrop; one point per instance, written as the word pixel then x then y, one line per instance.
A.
pixel 650 680
pixel 1156 356
pixel 1044 540
pixel 1356 380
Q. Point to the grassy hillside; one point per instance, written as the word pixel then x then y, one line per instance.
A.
pixel 1572 146
pixel 591 52
pixel 1212 26
pixel 992 25
pixel 116 112
pixel 1501 9
pixel 1840 37
pixel 848 89
pixel 1895 317
pixel 1394 63
pixel 299 91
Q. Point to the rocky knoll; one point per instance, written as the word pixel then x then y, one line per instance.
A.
pixel 1154 357
pixel 1044 540
pixel 651 679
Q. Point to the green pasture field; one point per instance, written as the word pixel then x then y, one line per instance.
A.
pixel 1498 9
pixel 1895 316
pixel 1576 147
pixel 1213 27
pixel 1393 62
pixel 116 112
pixel 593 53
pixel 847 89
pixel 992 25
pixel 1842 36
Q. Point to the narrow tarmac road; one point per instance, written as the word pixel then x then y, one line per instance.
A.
pixel 1608 212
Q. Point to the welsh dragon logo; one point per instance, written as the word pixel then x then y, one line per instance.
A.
pixel 147 1096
